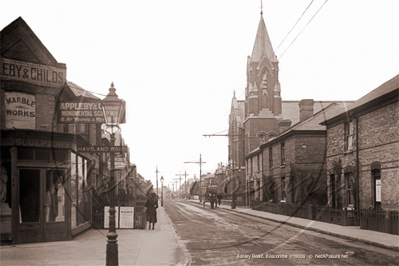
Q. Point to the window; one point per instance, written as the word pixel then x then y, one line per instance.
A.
pixel 350 189
pixel 83 130
pixel 377 188
pixel 283 194
pixel 270 158
pixel 348 135
pixel 333 191
pixel 283 153
pixel 257 161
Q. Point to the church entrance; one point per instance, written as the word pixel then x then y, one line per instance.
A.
pixel 41 205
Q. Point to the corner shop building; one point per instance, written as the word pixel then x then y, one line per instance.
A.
pixel 45 181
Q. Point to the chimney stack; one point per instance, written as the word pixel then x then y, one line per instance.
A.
pixel 305 109
pixel 283 125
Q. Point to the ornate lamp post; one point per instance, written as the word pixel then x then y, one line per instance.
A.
pixel 112 109
pixel 162 191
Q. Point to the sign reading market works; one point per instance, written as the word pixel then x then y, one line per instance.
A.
pixel 110 149
pixel 20 110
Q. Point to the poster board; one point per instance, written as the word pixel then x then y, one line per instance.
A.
pixel 106 217
pixel 126 217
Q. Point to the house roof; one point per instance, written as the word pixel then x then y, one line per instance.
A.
pixel 17 37
pixel 290 109
pixel 79 91
pixel 389 86
pixel 311 124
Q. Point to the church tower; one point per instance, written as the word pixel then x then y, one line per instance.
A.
pixel 263 107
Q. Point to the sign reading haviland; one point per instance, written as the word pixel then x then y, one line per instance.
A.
pixel 32 73
pixel 110 149
pixel 20 110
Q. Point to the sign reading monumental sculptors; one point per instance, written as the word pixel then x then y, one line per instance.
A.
pixel 80 113
pixel 84 113
pixel 20 110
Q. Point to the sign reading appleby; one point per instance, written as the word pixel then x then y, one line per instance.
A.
pixel 20 110
pixel 80 113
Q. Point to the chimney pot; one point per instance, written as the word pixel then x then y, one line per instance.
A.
pixel 305 109
pixel 284 124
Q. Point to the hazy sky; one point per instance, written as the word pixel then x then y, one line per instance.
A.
pixel 177 63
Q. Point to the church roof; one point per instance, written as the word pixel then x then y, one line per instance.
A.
pixel 262 44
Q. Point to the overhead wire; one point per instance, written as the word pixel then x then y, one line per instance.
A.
pixel 303 29
pixel 294 25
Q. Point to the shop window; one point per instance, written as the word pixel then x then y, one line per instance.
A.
pixel 59 156
pixel 80 191
pixel 54 198
pixel 73 191
pixel 86 186
pixel 270 158
pixel 26 154
pixel 348 135
pixel 42 155
pixel 282 153
pixel 29 195
pixel 283 192
pixel 377 188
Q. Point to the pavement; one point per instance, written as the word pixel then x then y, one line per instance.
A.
pixel 374 238
pixel 160 246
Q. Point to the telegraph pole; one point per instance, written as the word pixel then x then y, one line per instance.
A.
pixel 184 182
pixel 200 163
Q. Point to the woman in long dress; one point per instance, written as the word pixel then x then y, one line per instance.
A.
pixel 151 213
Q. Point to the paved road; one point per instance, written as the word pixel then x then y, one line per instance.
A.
pixel 220 237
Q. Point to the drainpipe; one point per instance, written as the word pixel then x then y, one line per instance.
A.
pixel 357 165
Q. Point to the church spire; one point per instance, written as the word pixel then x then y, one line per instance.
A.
pixel 262 44
pixel 261 8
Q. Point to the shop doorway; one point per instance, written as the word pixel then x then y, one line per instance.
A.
pixel 42 205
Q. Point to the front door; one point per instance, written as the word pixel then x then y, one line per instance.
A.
pixel 42 205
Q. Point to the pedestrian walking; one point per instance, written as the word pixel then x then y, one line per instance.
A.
pixel 151 204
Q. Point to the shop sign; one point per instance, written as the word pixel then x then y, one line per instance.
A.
pixel 109 149
pixel 20 110
pixel 83 113
pixel 32 73
pixel 378 190
pixel 80 113
pixel 60 144
pixel 126 217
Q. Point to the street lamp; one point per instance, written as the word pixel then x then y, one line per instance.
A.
pixel 161 191
pixel 112 109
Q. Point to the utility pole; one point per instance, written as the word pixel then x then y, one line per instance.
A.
pixel 200 163
pixel 184 182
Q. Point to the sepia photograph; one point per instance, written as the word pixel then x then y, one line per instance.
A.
pixel 187 132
